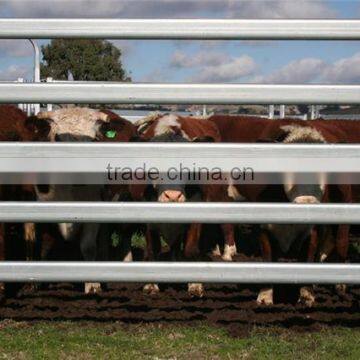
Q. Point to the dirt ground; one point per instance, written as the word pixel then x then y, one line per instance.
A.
pixel 231 306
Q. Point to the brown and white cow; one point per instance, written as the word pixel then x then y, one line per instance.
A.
pixel 78 125
pixel 13 128
pixel 248 129
pixel 173 128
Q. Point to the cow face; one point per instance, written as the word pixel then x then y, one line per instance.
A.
pixel 174 192
pixel 303 193
pixel 179 191
pixel 296 134
pixel 68 125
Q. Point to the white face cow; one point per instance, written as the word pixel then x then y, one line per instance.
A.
pixel 72 125
pixel 303 193
pixel 69 124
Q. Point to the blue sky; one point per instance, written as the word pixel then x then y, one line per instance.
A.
pixel 204 61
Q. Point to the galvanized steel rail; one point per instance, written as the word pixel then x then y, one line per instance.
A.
pixel 125 93
pixel 94 157
pixel 181 29
pixel 147 212
pixel 204 272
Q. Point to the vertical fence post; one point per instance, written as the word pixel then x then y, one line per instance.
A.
pixel 20 106
pixel 312 112
pixel 271 111
pixel 36 107
pixel 204 112
pixel 49 107
pixel 282 111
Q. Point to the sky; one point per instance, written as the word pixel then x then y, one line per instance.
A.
pixel 203 61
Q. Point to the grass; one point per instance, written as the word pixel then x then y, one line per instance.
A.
pixel 86 340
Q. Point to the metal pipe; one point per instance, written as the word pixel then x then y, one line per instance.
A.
pixel 36 70
pixel 91 163
pixel 49 107
pixel 21 106
pixel 282 112
pixel 271 111
pixel 102 159
pixel 273 29
pixel 125 93
pixel 205 272
pixel 148 212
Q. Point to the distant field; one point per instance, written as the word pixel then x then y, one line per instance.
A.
pixel 89 340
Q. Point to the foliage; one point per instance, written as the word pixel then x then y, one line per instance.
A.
pixel 87 60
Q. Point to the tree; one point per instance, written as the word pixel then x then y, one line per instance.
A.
pixel 87 60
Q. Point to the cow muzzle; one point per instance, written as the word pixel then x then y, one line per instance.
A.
pixel 306 199
pixel 171 196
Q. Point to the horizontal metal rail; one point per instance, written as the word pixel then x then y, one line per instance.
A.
pixel 181 29
pixel 94 158
pixel 181 272
pixel 153 212
pixel 125 93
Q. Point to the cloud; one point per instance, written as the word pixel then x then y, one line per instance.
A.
pixel 156 76
pixel 182 60
pixel 15 48
pixel 14 72
pixel 213 66
pixel 169 8
pixel 346 70
pixel 230 71
pixel 281 9
pixel 298 71
pixel 314 70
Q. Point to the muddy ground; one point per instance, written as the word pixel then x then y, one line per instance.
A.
pixel 230 306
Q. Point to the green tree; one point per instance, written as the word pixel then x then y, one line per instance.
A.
pixel 87 60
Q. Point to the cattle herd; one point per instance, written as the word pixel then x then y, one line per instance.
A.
pixel 308 242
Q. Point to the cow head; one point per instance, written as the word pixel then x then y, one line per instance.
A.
pixel 68 125
pixel 179 191
pixel 303 193
pixel 296 134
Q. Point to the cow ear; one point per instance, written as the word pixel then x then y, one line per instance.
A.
pixel 203 139
pixel 40 127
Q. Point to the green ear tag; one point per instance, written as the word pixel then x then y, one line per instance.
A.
pixel 110 134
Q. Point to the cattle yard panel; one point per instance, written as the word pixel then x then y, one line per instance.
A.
pixel 180 93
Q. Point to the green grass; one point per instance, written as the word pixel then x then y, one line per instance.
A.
pixel 86 340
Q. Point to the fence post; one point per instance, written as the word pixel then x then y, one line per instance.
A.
pixel 282 111
pixel 49 107
pixel 36 107
pixel 271 111
pixel 204 112
pixel 20 106
pixel 312 112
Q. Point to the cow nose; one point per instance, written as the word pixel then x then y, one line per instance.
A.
pixel 306 200
pixel 172 196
